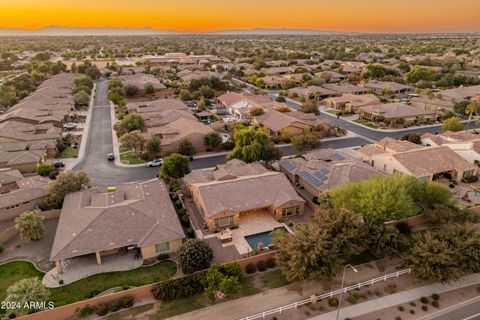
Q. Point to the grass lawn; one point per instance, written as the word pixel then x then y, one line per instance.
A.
pixel 333 111
pixel 366 123
pixel 131 158
pixel 88 287
pixel 273 279
pixel 13 272
pixel 69 153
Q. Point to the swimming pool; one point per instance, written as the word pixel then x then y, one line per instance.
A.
pixel 264 237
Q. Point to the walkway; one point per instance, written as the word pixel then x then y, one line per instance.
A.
pixel 399 298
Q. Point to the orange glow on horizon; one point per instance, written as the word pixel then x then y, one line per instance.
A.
pixel 208 15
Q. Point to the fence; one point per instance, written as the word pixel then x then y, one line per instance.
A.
pixel 315 298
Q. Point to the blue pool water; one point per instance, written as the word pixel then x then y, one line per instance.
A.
pixel 264 237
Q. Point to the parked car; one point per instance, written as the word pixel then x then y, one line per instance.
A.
pixel 155 163
pixel 59 164
pixel 190 157
pixel 110 157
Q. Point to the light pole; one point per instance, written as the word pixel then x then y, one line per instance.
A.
pixel 343 283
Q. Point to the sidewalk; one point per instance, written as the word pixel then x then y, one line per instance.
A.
pixel 399 298
pixel 242 307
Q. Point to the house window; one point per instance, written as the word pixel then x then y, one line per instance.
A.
pixel 468 173
pixel 290 211
pixel 224 222
pixel 384 167
pixel 162 247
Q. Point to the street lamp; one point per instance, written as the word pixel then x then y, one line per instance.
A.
pixel 343 283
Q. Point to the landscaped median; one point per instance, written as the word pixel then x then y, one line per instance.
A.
pixel 13 272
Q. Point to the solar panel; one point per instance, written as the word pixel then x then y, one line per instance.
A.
pixel 289 165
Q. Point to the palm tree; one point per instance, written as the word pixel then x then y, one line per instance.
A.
pixel 21 293
pixel 472 108
pixel 30 225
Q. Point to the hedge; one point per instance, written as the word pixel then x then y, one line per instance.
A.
pixel 180 287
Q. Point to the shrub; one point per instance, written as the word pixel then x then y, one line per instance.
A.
pixel 424 300
pixel 435 296
pixel 412 311
pixel 333 302
pixel 413 304
pixel 86 311
pixel 271 263
pixel 194 255
pixel 126 302
pixel 182 211
pixel 2 248
pixel 398 318
pixel 470 179
pixel 232 269
pixel 391 288
pixel 404 228
pixel 425 308
pixel 435 304
pixel 178 203
pixel 114 306
pixel 45 169
pixel 401 308
pixel 190 232
pixel 179 287
pixel 261 265
pixel 102 309
pixel 251 268
pixel 352 299
pixel 185 220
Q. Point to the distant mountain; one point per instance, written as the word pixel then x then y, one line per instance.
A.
pixel 275 31
pixel 84 31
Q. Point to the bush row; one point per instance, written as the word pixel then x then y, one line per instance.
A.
pixel 261 265
pixel 102 309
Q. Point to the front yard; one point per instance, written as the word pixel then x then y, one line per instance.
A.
pixel 129 157
pixel 69 153
pixel 88 287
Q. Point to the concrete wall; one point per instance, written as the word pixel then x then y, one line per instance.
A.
pixel 8 214
pixel 12 231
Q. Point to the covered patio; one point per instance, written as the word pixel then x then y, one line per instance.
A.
pixel 81 267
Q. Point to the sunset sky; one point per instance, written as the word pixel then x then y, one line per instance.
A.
pixel 206 15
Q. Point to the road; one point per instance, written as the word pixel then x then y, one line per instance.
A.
pixel 106 173
pixel 368 133
pixel 470 311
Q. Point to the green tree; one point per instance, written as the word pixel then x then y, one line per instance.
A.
pixel 133 140
pixel 418 73
pixel 153 145
pixel 320 248
pixel 30 225
pixel 306 141
pixel 445 255
pixel 65 183
pixel 83 81
pixel 133 121
pixel 44 169
pixel 385 241
pixel 432 194
pixel 175 166
pixel 131 90
pixel 219 286
pixel 452 124
pixel 81 98
pixel 212 140
pixel 473 108
pixel 378 199
pixel 310 106
pixel 253 145
pixel 194 255
pixel 25 291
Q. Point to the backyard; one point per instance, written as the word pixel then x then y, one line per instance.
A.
pixel 88 287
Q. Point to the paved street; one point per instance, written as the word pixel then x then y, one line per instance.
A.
pixel 471 311
pixel 99 144
pixel 104 172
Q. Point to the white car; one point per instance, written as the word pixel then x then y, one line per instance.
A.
pixel 155 163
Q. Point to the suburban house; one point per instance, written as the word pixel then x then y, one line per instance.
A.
pixel 141 81
pixel 160 112
pixel 461 93
pixel 25 156
pixel 436 105
pixel 394 111
pixel 179 130
pixel 312 92
pixel 195 75
pixel 239 104
pixel 380 87
pixel 346 88
pixel 19 194
pixel 114 229
pixel 294 122
pixel 236 192
pixel 425 163
pixel 351 102
pixel 331 76
pixel 465 144
pixel 325 169
pixel 274 82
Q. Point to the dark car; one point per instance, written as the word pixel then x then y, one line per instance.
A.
pixel 110 157
pixel 59 164
pixel 190 157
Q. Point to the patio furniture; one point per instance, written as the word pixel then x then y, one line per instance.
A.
pixel 225 236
